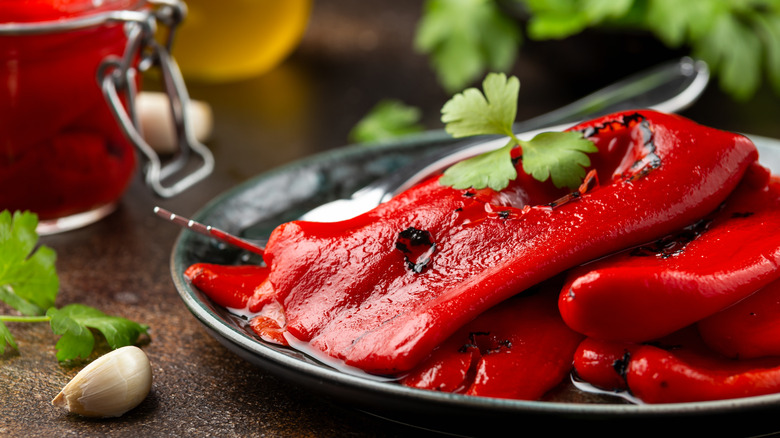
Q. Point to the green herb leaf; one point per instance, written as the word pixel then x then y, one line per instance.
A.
pixel 73 323
pixel 388 120
pixel 6 338
pixel 492 169
pixel 463 38
pixel 557 155
pixel 472 113
pixel 28 278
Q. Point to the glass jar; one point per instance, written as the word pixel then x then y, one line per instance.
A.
pixel 68 77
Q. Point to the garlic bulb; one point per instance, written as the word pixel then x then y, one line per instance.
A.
pixel 110 386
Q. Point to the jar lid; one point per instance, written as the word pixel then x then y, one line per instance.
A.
pixel 29 11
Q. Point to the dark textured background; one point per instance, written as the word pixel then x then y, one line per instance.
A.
pixel 354 54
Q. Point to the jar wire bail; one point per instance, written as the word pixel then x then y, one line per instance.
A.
pixel 117 75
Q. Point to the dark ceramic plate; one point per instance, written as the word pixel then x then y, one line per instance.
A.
pixel 255 207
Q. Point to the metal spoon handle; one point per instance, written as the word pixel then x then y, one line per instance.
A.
pixel 208 230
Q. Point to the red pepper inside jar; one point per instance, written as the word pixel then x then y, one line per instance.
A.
pixel 63 153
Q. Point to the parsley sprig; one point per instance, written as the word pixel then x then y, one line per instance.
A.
pixel 560 156
pixel 29 284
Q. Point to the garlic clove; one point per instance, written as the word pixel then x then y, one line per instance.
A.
pixel 109 386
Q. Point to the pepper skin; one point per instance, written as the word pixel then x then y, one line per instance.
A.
pixel 749 329
pixel 656 289
pixel 520 350
pixel 679 368
pixel 229 286
pixel 357 291
pixel 603 364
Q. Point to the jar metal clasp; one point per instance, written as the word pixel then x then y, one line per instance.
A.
pixel 116 77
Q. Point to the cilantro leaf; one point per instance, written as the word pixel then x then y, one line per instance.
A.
pixel 463 38
pixel 472 113
pixel 389 119
pixel 6 338
pixel 73 323
pixel 492 169
pixel 28 278
pixel 560 156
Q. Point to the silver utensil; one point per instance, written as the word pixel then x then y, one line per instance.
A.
pixel 208 230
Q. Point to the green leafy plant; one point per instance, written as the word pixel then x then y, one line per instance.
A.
pixel 389 119
pixel 739 39
pixel 464 38
pixel 29 284
pixel 560 156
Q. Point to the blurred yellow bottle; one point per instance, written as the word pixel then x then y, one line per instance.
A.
pixel 235 39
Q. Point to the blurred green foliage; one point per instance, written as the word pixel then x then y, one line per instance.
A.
pixel 389 119
pixel 739 39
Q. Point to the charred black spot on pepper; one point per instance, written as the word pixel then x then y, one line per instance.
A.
pixel 673 244
pixel 459 209
pixel 469 194
pixel 417 246
pixel 504 214
pixel 621 365
pixel 501 345
pixel 649 160
pixel 466 347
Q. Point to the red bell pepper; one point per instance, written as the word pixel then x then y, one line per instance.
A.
pixel 229 286
pixel 675 369
pixel 656 289
pixel 382 290
pixel 520 349
pixel 749 329
pixel 603 364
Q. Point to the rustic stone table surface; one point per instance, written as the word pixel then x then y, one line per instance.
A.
pixel 354 54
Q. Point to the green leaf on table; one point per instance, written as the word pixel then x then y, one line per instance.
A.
pixel 561 156
pixel 6 338
pixel 28 277
pixel 473 113
pixel 73 322
pixel 463 38
pixel 389 119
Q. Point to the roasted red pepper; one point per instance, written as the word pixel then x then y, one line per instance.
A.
pixel 749 329
pixel 382 290
pixel 229 286
pixel 675 369
pixel 520 349
pixel 658 288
